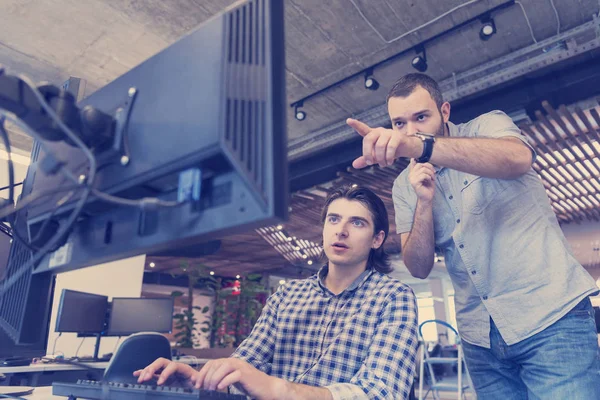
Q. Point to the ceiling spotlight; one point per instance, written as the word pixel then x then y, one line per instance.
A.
pixel 354 185
pixel 298 113
pixel 309 262
pixel 212 272
pixel 419 62
pixel 279 227
pixel 297 248
pixel 152 265
pixel 370 82
pixel 282 281
pixel 304 256
pixel 488 29
pixel 237 277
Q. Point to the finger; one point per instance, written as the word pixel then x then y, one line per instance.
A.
pixel 166 373
pixel 381 149
pixel 360 127
pixel 369 146
pixel 392 147
pixel 360 163
pixel 230 379
pixel 218 374
pixel 138 372
pixel 148 372
pixel 205 373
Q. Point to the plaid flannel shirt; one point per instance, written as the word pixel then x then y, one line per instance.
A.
pixel 359 344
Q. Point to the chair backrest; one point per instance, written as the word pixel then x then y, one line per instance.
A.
pixel 136 352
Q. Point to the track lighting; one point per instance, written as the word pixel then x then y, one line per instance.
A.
pixel 488 29
pixel 370 82
pixel 419 62
pixel 299 114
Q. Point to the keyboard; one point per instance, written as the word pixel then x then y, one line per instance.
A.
pixel 94 390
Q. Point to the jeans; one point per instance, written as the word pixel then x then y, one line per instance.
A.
pixel 560 362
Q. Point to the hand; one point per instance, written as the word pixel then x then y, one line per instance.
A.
pixel 219 374
pixel 422 179
pixel 380 146
pixel 167 371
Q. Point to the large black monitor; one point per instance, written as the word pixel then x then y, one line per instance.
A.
pixel 205 116
pixel 201 124
pixel 81 312
pixel 133 315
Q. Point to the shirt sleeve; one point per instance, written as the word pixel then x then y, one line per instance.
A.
pixel 405 202
pixel 497 124
pixel 389 368
pixel 257 349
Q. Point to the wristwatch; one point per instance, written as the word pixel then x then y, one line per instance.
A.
pixel 428 141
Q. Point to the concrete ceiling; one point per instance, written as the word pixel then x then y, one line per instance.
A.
pixel 325 42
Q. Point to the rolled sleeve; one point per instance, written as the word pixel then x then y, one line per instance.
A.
pixel 389 368
pixel 347 391
pixel 405 201
pixel 497 124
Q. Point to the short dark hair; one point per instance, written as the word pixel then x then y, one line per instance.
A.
pixel 408 83
pixel 378 258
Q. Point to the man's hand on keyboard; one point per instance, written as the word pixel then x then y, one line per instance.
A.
pixel 221 373
pixel 166 372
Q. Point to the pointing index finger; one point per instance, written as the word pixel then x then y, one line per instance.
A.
pixel 360 127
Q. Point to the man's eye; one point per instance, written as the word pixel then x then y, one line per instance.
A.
pixel 421 118
pixel 333 219
pixel 358 223
pixel 399 124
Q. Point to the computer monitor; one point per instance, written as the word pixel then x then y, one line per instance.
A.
pixel 211 105
pixel 203 121
pixel 132 315
pixel 81 312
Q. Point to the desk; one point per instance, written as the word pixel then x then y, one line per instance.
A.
pixel 43 393
pixel 29 375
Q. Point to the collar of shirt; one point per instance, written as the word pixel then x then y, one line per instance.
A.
pixel 319 281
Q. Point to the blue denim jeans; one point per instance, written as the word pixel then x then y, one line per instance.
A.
pixel 560 362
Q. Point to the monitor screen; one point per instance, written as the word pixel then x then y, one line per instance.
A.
pixel 81 312
pixel 132 315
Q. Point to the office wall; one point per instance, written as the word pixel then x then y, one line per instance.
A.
pixel 121 278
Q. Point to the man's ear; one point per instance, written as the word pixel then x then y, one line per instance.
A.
pixel 378 240
pixel 445 110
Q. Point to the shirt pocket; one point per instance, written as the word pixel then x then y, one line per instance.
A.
pixel 478 192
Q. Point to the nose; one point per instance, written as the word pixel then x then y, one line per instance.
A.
pixel 342 232
pixel 411 129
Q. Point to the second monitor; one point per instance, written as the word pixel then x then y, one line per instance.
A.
pixel 132 315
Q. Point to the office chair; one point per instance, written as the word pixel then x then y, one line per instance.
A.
pixel 136 352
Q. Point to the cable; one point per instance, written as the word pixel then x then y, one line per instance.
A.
pixel 8 396
pixel 146 202
pixel 527 19
pixel 54 345
pixel 412 30
pixel 8 210
pixel 557 17
pixel 79 347
pixel 115 349
pixel 8 187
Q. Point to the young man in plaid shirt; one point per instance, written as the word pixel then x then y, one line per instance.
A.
pixel 348 332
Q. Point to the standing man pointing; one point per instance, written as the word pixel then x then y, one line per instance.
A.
pixel 522 303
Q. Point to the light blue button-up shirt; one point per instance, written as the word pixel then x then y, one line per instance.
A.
pixel 506 254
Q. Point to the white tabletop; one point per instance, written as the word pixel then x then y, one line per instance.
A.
pixel 43 393
pixel 47 367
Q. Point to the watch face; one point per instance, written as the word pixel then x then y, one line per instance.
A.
pixel 425 136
